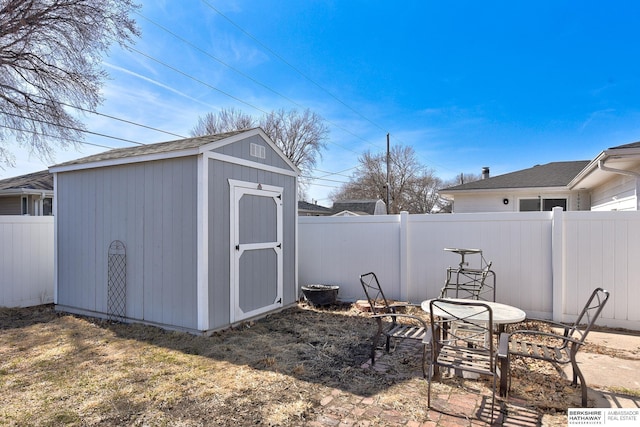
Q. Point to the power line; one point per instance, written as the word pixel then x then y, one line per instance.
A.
pixel 57 137
pixel 291 65
pixel 74 129
pixel 339 173
pixel 315 178
pixel 197 80
pixel 248 77
pixel 123 120
pixel 268 49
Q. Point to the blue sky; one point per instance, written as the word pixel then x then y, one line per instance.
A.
pixel 467 84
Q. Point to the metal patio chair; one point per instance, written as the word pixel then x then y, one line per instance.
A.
pixel 391 324
pixel 470 283
pixel 558 349
pixel 461 348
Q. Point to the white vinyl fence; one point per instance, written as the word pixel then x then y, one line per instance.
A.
pixel 26 260
pixel 546 263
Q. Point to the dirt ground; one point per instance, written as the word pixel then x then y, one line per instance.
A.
pixel 61 369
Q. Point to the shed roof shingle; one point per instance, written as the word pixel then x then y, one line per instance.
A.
pixel 157 148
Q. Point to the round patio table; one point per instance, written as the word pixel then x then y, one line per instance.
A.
pixel 503 314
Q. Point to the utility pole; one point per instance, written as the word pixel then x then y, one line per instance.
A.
pixel 388 177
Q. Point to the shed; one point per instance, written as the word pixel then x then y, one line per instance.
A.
pixel 195 234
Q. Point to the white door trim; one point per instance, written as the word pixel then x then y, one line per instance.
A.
pixel 238 189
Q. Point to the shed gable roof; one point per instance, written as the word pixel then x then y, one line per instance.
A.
pixel 147 149
pixel 555 174
pixel 181 147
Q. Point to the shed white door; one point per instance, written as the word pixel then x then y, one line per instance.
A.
pixel 256 247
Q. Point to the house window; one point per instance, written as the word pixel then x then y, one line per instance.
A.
pixel 25 205
pixel 47 206
pixel 534 205
pixel 549 204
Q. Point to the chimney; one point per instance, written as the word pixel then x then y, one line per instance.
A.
pixel 485 172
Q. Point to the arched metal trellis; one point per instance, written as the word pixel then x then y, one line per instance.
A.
pixel 117 281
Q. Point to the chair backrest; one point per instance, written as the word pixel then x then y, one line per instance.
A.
pixel 372 289
pixel 470 284
pixel 589 314
pixel 462 324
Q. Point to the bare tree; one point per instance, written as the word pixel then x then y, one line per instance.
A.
pixel 413 186
pixel 301 136
pixel 50 59
pixel 227 120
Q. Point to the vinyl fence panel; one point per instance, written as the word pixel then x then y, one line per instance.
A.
pixel 26 260
pixel 546 263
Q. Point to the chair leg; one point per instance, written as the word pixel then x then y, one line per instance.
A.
pixel 578 374
pixel 504 376
pixel 493 396
pixel 424 360
pixel 429 378
pixel 374 346
pixel 376 338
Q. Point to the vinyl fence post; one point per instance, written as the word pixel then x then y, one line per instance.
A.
pixel 557 264
pixel 404 258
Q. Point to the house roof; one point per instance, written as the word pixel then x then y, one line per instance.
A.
pixel 149 149
pixel 624 157
pixel 42 180
pixel 631 145
pixel 555 174
pixel 313 208
pixel 356 206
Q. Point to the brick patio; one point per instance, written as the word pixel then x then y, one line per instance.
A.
pixel 452 405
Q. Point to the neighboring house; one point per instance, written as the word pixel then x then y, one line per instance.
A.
pixel 30 194
pixel 196 234
pixel 609 182
pixel 359 207
pixel 312 209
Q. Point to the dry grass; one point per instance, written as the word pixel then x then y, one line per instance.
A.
pixel 60 369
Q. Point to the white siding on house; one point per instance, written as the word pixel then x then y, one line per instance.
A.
pixel 467 203
pixel 617 194
pixel 479 201
pixel 10 205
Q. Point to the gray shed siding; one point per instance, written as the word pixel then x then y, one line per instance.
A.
pixel 219 233
pixel 151 207
pixel 242 150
